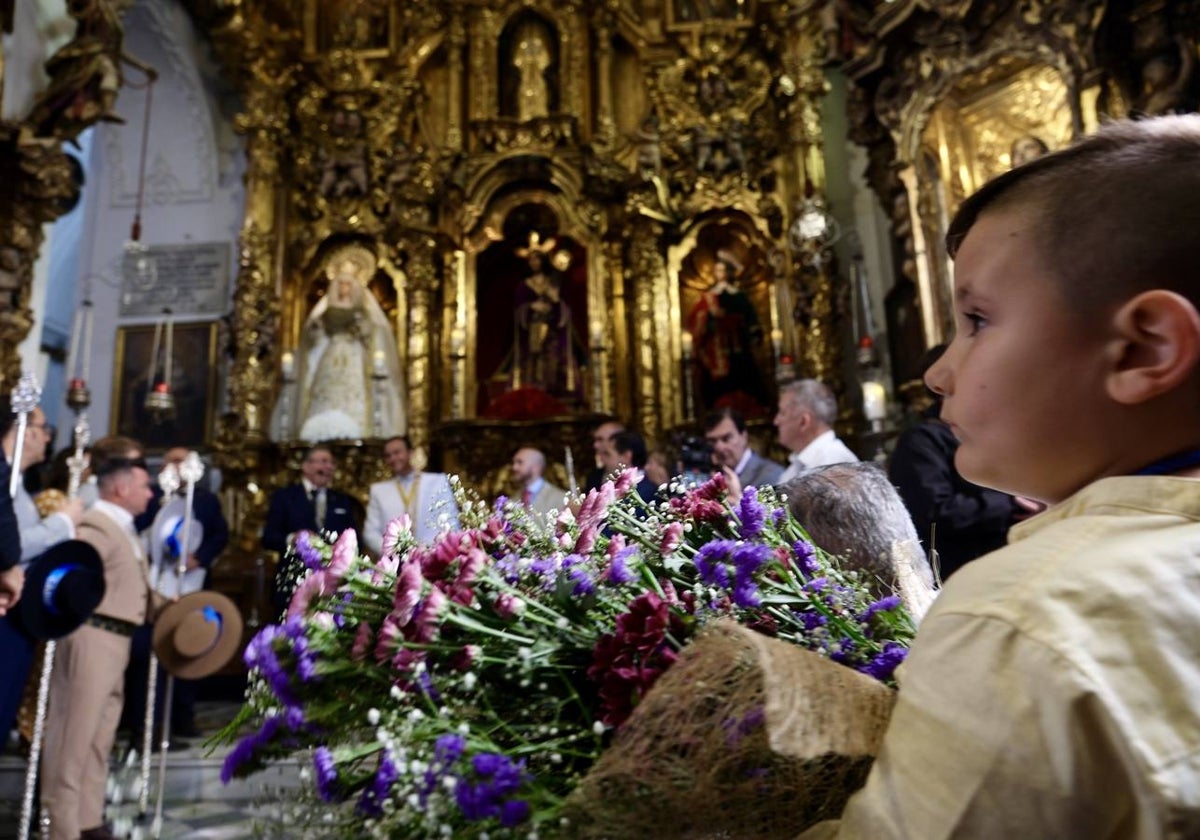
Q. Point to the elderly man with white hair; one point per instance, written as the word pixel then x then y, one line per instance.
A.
pixel 807 412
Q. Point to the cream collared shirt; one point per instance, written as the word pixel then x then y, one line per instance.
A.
pixel 1053 691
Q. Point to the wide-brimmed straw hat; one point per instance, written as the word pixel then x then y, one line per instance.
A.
pixel 198 634
pixel 62 588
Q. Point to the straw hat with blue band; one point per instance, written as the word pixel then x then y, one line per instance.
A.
pixel 63 586
pixel 198 634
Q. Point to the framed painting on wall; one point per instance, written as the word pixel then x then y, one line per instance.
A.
pixel 193 385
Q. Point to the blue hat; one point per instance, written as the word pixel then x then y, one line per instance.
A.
pixel 63 587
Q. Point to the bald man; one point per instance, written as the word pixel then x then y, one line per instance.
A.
pixel 538 494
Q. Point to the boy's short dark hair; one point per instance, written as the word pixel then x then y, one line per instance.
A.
pixel 402 438
pixel 1114 215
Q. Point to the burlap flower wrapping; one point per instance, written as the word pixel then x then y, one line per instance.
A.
pixel 744 737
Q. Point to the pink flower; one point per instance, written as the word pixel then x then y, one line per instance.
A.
pixel 389 638
pixel 508 605
pixel 406 658
pixel 408 593
pixel 362 641
pixel 385 568
pixel 671 538
pixel 468 571
pixel 626 481
pixel 424 628
pixel 345 552
pixel 587 539
pixel 591 512
pixel 315 585
pixel 395 529
pixel 465 658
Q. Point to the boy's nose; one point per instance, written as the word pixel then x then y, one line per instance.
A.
pixel 937 378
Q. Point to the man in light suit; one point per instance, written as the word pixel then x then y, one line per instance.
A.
pixel 426 497
pixel 311 505
pixel 537 494
pixel 88 681
pixel 37 535
pixel 725 431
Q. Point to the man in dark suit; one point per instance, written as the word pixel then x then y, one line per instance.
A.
pixel 311 505
pixel 725 432
pixel 630 451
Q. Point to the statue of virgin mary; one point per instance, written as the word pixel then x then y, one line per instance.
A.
pixel 347 382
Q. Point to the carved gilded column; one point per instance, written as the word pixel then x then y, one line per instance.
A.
pixel 618 374
pixel 456 39
pixel 605 124
pixel 253 372
pixel 421 271
pixel 37 188
pixel 647 268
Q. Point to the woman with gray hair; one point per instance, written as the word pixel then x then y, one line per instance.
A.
pixel 851 510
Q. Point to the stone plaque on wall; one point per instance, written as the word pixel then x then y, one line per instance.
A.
pixel 190 278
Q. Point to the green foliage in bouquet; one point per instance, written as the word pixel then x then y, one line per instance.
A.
pixel 464 688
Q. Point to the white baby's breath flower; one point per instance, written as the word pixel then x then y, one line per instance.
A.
pixel 598 728
pixel 468 680
pixel 373 717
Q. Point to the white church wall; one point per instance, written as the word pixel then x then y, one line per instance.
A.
pixel 192 192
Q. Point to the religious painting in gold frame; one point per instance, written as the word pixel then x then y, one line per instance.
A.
pixel 692 14
pixel 366 28
pixel 193 385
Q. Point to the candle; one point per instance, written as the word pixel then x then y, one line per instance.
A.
pixel 687 345
pixel 596 331
pixel 289 365
pixel 458 341
pixel 380 367
pixel 86 347
pixel 874 401
pixel 777 341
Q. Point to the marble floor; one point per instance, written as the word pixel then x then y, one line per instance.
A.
pixel 195 803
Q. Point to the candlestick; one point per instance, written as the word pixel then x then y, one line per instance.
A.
pixel 170 346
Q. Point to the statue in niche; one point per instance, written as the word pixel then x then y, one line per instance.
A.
pixel 531 57
pixel 725 331
pixel 344 168
pixel 543 355
pixel 1025 149
pixel 649 145
pixel 347 346
pixel 1166 79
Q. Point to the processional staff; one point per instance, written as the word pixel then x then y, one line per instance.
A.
pixel 189 472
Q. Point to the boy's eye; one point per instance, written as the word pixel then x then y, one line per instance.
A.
pixel 975 322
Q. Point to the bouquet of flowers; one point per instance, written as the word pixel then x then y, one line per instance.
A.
pixel 465 688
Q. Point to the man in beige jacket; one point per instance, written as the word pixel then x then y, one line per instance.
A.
pixel 87 686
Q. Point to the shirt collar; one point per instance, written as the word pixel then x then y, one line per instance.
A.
pixel 309 487
pixel 746 456
pixel 534 487
pixel 117 514
pixel 813 445
pixel 1122 495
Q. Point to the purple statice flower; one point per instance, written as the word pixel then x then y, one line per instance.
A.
pixel 882 605
pixel 307 552
pixel 711 562
pixel 294 718
pixel 448 748
pixel 501 501
pixel 545 568
pixel 847 648
pixel 747 560
pixel 497 779
pixel 509 568
pixel 306 660
pixel 884 663
pixel 817 584
pixel 582 584
pixel 260 655
pixel 806 558
pixel 248 748
pixel 425 683
pixel 618 572
pixel 778 517
pixel 374 795
pixel 327 777
pixel 751 513
pixel 811 619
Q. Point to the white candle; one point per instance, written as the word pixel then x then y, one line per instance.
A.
pixel 687 345
pixel 289 365
pixel 380 367
pixel 86 347
pixel 170 355
pixel 777 341
pixel 874 401
pixel 596 329
pixel 458 341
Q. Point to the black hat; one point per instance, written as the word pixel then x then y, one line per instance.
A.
pixel 62 588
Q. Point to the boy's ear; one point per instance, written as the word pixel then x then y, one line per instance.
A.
pixel 1156 347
